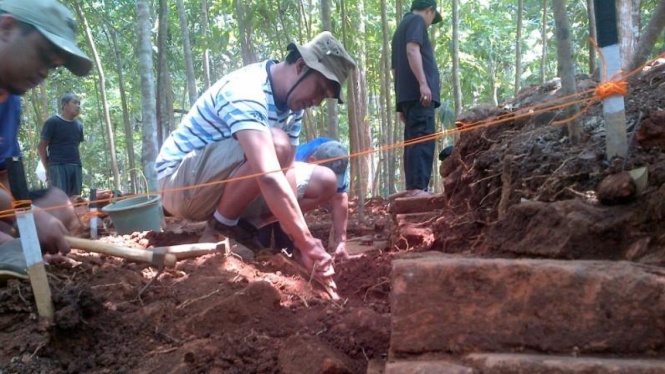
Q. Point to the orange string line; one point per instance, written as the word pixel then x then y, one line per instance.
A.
pixel 616 86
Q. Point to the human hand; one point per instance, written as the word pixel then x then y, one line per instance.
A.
pixel 314 258
pixel 425 95
pixel 401 117
pixel 341 254
pixel 51 233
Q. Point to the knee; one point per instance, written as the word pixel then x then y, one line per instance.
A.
pixel 285 151
pixel 323 184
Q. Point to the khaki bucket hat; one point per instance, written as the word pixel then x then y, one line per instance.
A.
pixel 326 55
pixel 56 23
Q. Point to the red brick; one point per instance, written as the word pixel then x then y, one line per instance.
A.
pixel 517 363
pixel 426 367
pixel 466 305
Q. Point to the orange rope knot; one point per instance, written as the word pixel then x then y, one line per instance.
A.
pixel 612 88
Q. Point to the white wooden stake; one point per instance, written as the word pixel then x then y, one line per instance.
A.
pixel 35 262
pixel 616 140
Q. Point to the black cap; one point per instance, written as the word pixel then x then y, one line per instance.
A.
pixel 424 4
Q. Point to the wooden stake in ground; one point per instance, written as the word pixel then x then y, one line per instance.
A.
pixel 613 107
pixel 35 263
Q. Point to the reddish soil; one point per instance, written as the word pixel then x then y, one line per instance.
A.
pixel 211 314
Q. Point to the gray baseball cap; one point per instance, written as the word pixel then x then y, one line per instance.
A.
pixel 334 149
pixel 326 55
pixel 56 23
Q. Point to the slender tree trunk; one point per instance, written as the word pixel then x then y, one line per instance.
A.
pixel 149 133
pixel 626 31
pixel 457 86
pixel 206 51
pixel 129 134
pixel 543 35
pixel 248 55
pixel 187 50
pixel 592 33
pixel 365 132
pixel 163 124
pixel 649 37
pixel 398 11
pixel 388 166
pixel 332 122
pixel 518 47
pixel 102 89
pixel 637 20
pixel 566 67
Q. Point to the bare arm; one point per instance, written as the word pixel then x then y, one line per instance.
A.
pixel 340 211
pixel 278 193
pixel 416 65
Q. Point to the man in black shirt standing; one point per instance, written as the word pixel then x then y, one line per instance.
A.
pixel 62 135
pixel 417 91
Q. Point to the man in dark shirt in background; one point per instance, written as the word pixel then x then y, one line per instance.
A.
pixel 62 135
pixel 417 91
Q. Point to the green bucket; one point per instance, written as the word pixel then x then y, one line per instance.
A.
pixel 141 213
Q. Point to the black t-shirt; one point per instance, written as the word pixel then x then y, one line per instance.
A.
pixel 64 138
pixel 413 29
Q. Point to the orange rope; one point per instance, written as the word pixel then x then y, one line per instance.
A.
pixel 616 86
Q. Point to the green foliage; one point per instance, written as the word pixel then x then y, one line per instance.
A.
pixel 487 57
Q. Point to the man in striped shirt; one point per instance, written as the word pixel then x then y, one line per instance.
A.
pixel 247 125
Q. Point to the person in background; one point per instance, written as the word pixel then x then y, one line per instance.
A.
pixel 416 91
pixel 59 151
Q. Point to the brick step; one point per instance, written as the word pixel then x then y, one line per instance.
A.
pixel 502 363
pixel 463 305
pixel 542 364
pixel 406 205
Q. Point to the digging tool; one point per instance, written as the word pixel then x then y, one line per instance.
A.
pixel 158 256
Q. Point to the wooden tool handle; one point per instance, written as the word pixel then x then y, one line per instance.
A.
pixel 139 255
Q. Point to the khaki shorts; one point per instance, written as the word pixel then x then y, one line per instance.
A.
pixel 258 213
pixel 214 163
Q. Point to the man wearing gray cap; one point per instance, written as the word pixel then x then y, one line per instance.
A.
pixel 36 36
pixel 244 130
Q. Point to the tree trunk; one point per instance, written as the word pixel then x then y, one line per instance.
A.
pixel 163 86
pixel 457 87
pixel 649 37
pixel 543 35
pixel 388 167
pixel 206 51
pixel 129 134
pixel 518 47
pixel 332 122
pixel 354 125
pixel 592 33
pixel 149 133
pixel 248 55
pixel 102 89
pixel 566 67
pixel 365 132
pixel 187 50
pixel 626 32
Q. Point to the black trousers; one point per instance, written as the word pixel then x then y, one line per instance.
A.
pixel 418 158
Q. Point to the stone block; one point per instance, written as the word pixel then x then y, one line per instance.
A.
pixel 468 305
pixel 426 367
pixel 541 364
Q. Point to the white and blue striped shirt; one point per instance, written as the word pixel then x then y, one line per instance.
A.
pixel 241 100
